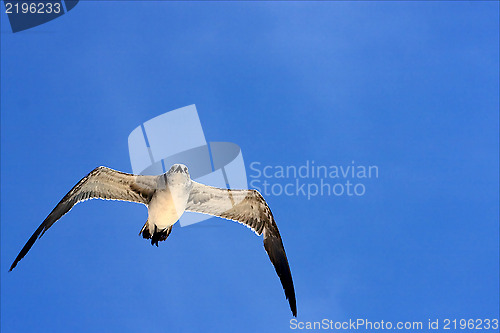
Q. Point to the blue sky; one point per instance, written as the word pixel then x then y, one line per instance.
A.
pixel 411 87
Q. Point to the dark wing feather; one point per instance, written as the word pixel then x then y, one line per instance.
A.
pixel 103 183
pixel 249 208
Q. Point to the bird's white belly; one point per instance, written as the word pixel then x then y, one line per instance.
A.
pixel 166 207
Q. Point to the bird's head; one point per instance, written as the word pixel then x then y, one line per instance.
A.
pixel 178 168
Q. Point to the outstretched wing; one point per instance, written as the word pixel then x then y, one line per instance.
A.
pixel 249 208
pixel 102 183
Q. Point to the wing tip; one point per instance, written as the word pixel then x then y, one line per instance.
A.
pixel 291 298
pixel 293 304
pixel 14 264
pixel 276 252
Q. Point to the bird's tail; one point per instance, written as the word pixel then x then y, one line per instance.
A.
pixel 157 235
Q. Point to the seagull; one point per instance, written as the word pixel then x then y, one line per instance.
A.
pixel 167 197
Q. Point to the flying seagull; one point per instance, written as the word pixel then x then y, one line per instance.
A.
pixel 167 196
